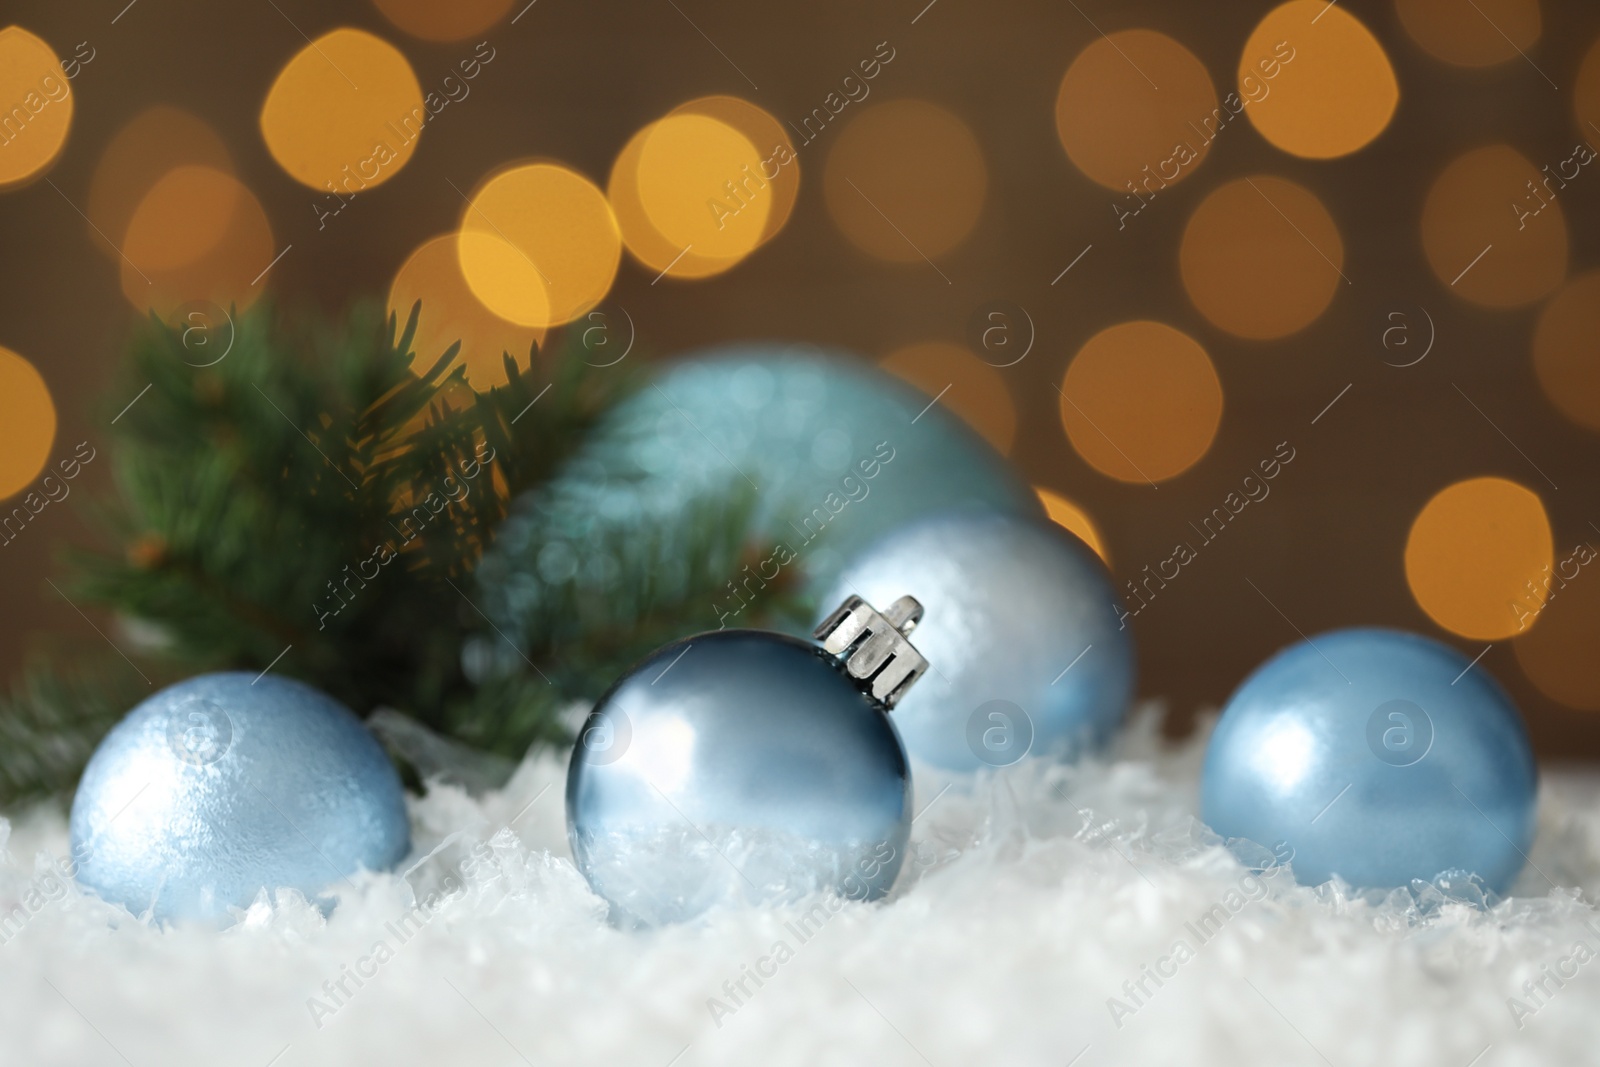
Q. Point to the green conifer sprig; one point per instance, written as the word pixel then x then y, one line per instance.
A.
pixel 317 501
pixel 52 719
pixel 308 492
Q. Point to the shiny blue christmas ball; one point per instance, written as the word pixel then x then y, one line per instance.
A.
pixel 224 784
pixel 1376 755
pixel 830 452
pixel 1022 632
pixel 736 766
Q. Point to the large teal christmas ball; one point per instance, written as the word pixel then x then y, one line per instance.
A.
pixel 225 784
pixel 1378 756
pixel 1022 631
pixel 829 452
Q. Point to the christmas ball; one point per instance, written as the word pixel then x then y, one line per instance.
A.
pixel 743 766
pixel 1378 756
pixel 225 784
pixel 829 451
pixel 1022 631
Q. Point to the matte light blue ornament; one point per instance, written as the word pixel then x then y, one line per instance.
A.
pixel 1376 755
pixel 1022 631
pixel 740 766
pixel 225 784
pixel 831 451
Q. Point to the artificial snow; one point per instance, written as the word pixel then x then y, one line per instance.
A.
pixel 1046 914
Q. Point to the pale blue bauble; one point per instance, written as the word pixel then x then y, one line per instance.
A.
pixel 225 784
pixel 1026 654
pixel 736 767
pixel 1376 755
pixel 830 451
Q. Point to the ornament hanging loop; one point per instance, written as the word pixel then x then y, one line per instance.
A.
pixel 873 645
pixel 904 614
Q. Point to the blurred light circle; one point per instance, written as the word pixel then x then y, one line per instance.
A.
pixel 1566 350
pixel 504 278
pixel 1471 555
pixel 772 144
pixel 345 112
pixel 1141 402
pixel 647 244
pixel 905 180
pixel 27 423
pixel 37 99
pixel 1471 33
pixel 451 313
pixel 1558 655
pixel 1474 238
pixel 539 244
pixel 185 215
pixel 1586 94
pixel 1261 257
pixel 1071 517
pixel 777 181
pixel 435 21
pixel 1335 92
pixel 1128 103
pixel 700 186
pixel 197 235
pixel 147 148
pixel 965 384
pixel 639 235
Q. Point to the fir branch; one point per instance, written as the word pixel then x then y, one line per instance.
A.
pixel 52 719
pixel 311 493
pixel 594 600
pixel 319 500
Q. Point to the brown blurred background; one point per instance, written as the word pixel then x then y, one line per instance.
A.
pixel 574 82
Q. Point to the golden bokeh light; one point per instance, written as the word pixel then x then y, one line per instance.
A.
pixel 699 190
pixel 1566 350
pixel 1336 90
pixel 905 181
pixel 434 21
pixel 1141 402
pixel 539 244
pixel 27 423
pixel 1471 33
pixel 1558 655
pixel 779 161
pixel 37 102
pixel 699 185
pixel 451 313
pixel 1586 95
pixel 504 278
pixel 1478 242
pixel 1137 110
pixel 144 151
pixel 1069 516
pixel 962 382
pixel 345 113
pixel 1476 551
pixel 198 234
pixel 1261 257
pixel 639 235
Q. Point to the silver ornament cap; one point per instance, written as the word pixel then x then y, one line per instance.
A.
pixel 873 645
